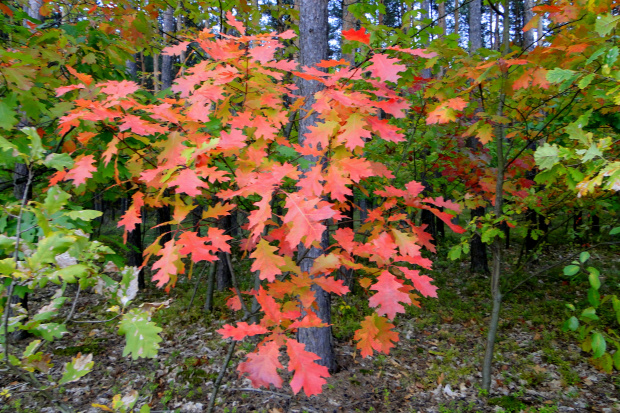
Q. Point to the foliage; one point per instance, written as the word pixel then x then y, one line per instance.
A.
pixel 596 331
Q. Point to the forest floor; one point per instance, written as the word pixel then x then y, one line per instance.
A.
pixel 435 367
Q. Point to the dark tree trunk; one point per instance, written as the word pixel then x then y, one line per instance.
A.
pixel 596 224
pixel 163 215
pixel 313 37
pixel 134 245
pixel 222 273
pixel 478 249
pixel 428 218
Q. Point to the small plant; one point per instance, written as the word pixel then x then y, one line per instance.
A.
pixel 595 331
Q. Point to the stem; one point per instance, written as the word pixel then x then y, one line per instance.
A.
pixel 196 286
pixel 220 377
pixel 18 233
pixel 75 300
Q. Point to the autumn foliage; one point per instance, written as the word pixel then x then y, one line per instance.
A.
pixel 221 140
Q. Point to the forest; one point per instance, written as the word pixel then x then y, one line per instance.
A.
pixel 309 206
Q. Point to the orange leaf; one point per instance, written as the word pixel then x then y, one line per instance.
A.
pixel 242 330
pixel 307 374
pixel 266 261
pixel 375 334
pixel 262 366
pixel 82 170
pixel 357 35
pixel 389 296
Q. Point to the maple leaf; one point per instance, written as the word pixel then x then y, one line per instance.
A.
pixel 132 216
pixel 262 366
pixel 193 244
pixel 331 285
pixel 64 89
pixel 357 35
pixel 386 68
pixel 389 295
pixel 406 244
pixel 175 50
pixel 375 334
pixel 242 330
pixel 307 217
pixel 82 170
pixel 307 375
pixel 230 19
pixel 166 265
pixel 218 239
pixel 116 89
pixel 386 131
pixel 422 283
pixel 266 261
pixel 187 182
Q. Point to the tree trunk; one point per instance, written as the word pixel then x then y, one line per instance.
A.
pixel 156 72
pixel 222 273
pixel 477 248
pixel 313 37
pixel 166 60
pixel 475 25
pixel 497 242
pixel 457 17
pixel 528 36
pixel 348 22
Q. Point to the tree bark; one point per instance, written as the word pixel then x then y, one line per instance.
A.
pixel 166 60
pixel 313 37
pixel 475 25
pixel 478 249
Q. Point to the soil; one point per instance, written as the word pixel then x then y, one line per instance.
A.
pixel 435 367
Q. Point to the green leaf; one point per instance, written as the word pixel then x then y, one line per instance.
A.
pixel 594 298
pixel 595 282
pixel 50 331
pixel 616 359
pixel 611 56
pixel 48 248
pixel 558 75
pixel 141 334
pixel 145 409
pixel 546 156
pixel 584 256
pixel 598 345
pixel 605 363
pixel 7 116
pixel 589 314
pixel 55 199
pixel 58 161
pixel 614 231
pixel 585 81
pixel 84 215
pixel 70 273
pixel 78 367
pixel 571 270
pixel 572 323
pixel 7 266
pixel 455 252
pixel 605 24
pixel 36 147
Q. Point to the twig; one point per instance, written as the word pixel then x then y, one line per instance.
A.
pixel 246 312
pixel 75 300
pixel 7 309
pixel 196 286
pixel 220 377
pixel 558 263
pixel 260 391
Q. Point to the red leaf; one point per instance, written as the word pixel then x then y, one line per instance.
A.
pixel 345 238
pixel 308 375
pixel 64 89
pixel 307 217
pixel 82 170
pixel 385 131
pixel 195 245
pixel 140 126
pixel 389 295
pixel 175 50
pixel 132 215
pixel 242 330
pixel 375 334
pixel 422 283
pixel 230 19
pixel 357 35
pixel 386 68
pixel 262 367
pixel 117 89
pixel 266 261
pixel 166 265
pixel 188 183
pixel 331 285
pixel 218 239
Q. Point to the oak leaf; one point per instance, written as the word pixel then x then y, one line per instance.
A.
pixel 307 375
pixel 388 296
pixel 266 261
pixel 242 330
pixel 262 366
